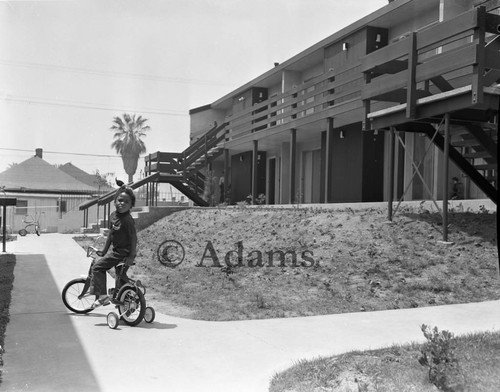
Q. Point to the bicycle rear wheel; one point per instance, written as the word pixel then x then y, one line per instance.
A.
pixel 71 293
pixel 131 305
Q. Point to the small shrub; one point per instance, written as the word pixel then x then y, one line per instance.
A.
pixel 242 204
pixel 438 354
pixel 483 209
pixel 261 199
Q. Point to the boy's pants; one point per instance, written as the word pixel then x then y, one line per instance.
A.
pixel 98 273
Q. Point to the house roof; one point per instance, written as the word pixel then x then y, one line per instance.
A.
pixel 83 176
pixel 37 175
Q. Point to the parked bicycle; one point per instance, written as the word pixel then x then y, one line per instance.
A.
pixel 31 223
pixel 129 298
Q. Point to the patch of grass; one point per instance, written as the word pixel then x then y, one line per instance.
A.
pixel 394 369
pixel 7 264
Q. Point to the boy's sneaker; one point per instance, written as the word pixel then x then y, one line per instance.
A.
pixel 100 302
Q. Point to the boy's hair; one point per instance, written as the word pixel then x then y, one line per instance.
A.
pixel 129 191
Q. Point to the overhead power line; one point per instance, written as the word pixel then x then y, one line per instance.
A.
pixel 88 105
pixel 128 75
pixel 62 153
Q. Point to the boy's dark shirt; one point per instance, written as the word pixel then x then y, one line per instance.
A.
pixel 122 227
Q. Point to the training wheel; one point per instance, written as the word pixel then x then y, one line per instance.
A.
pixel 149 314
pixel 112 320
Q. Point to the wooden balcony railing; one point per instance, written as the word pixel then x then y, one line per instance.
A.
pixel 332 94
pixel 447 58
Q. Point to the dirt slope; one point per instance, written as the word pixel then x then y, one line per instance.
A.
pixel 346 261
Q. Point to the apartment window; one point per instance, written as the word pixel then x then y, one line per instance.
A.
pixel 21 207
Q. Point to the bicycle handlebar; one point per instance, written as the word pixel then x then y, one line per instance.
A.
pixel 91 249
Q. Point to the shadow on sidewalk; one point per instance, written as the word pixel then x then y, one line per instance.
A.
pixel 42 349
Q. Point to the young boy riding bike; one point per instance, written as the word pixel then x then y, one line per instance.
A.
pixel 123 239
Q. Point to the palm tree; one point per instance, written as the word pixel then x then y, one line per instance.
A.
pixel 128 133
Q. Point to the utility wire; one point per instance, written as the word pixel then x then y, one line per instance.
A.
pixel 87 105
pixel 63 153
pixel 127 75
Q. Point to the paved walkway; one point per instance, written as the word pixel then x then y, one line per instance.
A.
pixel 50 349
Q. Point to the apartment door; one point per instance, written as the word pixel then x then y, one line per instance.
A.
pixel 311 169
pixel 271 185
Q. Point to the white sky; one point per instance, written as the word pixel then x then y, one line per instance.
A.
pixel 68 67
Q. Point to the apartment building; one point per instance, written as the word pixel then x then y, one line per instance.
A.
pixel 393 106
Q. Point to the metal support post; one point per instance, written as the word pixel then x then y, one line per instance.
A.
pixel 293 153
pixel 391 173
pixel 254 170
pixel 445 174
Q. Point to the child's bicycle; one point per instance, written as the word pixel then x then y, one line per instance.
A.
pixel 128 298
pixel 30 223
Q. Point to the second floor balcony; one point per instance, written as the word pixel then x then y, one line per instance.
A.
pixel 455 65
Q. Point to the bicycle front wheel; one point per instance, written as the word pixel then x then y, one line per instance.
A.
pixel 73 299
pixel 131 305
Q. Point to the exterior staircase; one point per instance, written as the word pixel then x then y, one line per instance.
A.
pixel 412 84
pixel 474 151
pixel 182 170
pixel 478 146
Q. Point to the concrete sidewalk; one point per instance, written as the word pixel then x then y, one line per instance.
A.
pixel 50 349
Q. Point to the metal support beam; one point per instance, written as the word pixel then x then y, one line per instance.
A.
pixel 478 67
pixel 4 227
pixel 293 163
pixel 226 175
pixel 155 194
pixel 329 162
pixel 445 174
pixel 391 173
pixel 496 183
pixel 323 171
pixel 411 88
pixel 254 170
